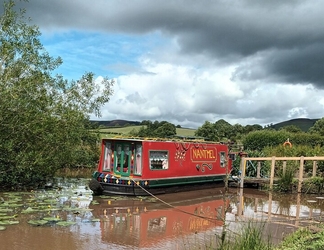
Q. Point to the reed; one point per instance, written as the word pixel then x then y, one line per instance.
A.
pixel 286 179
pixel 250 238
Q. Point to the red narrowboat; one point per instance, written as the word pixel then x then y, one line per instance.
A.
pixel 147 166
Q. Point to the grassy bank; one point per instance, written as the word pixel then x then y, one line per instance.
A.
pixel 78 172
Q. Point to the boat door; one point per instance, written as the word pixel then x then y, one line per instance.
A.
pixel 122 161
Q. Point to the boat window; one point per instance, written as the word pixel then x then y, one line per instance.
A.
pixel 119 158
pixel 107 157
pixel 138 160
pixel 222 159
pixel 159 160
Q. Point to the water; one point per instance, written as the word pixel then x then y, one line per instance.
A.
pixel 175 221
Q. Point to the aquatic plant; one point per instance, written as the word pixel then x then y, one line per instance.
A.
pixel 286 178
pixel 250 238
pixel 313 185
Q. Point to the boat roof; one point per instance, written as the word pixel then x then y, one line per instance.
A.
pixel 194 139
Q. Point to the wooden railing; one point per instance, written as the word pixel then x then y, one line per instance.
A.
pixel 273 160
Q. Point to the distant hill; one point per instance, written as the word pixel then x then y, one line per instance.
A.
pixel 115 123
pixel 303 123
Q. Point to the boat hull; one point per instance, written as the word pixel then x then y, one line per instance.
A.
pixel 138 187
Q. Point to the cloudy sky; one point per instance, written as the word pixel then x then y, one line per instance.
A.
pixel 187 62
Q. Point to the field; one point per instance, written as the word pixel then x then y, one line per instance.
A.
pixel 124 131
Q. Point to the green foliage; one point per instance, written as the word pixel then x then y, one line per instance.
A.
pixel 318 127
pixel 44 123
pixel 162 129
pixel 286 179
pixel 223 131
pixel 303 239
pixel 207 131
pixel 291 129
pixel 258 140
pixel 313 185
pixel 312 140
pixel 251 166
pixel 218 131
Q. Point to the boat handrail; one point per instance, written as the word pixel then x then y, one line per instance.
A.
pixel 170 139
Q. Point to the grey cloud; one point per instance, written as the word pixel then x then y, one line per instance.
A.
pixel 289 34
pixel 297 65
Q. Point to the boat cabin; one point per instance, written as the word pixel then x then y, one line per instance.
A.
pixel 158 165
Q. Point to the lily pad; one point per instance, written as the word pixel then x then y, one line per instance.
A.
pixel 50 201
pixel 2 228
pixel 8 222
pixel 15 205
pixel 65 223
pixel 52 219
pixel 29 210
pixel 5 210
pixel 37 222
pixel 7 217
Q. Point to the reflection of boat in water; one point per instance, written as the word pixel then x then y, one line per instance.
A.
pixel 131 166
pixel 143 224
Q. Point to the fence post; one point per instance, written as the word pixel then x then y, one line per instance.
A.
pixel 314 168
pixel 242 172
pixel 284 167
pixel 273 162
pixel 259 170
pixel 301 173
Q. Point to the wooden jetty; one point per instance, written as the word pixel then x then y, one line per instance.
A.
pixel 273 159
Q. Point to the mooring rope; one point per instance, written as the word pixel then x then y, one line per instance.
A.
pixel 180 210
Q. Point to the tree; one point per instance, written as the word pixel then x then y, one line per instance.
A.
pixel 44 119
pixel 224 129
pixel 166 130
pixel 318 127
pixel 207 131
pixel 157 129
pixel 291 129
pixel 238 131
pixel 250 128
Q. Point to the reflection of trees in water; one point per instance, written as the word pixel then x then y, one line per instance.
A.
pixel 251 202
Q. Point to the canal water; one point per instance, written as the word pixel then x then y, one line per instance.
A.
pixel 69 217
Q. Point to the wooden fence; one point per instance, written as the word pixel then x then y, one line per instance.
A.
pixel 273 160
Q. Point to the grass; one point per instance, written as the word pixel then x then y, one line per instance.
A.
pixel 251 238
pixel 120 130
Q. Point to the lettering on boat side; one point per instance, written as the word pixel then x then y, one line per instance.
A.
pixel 208 154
